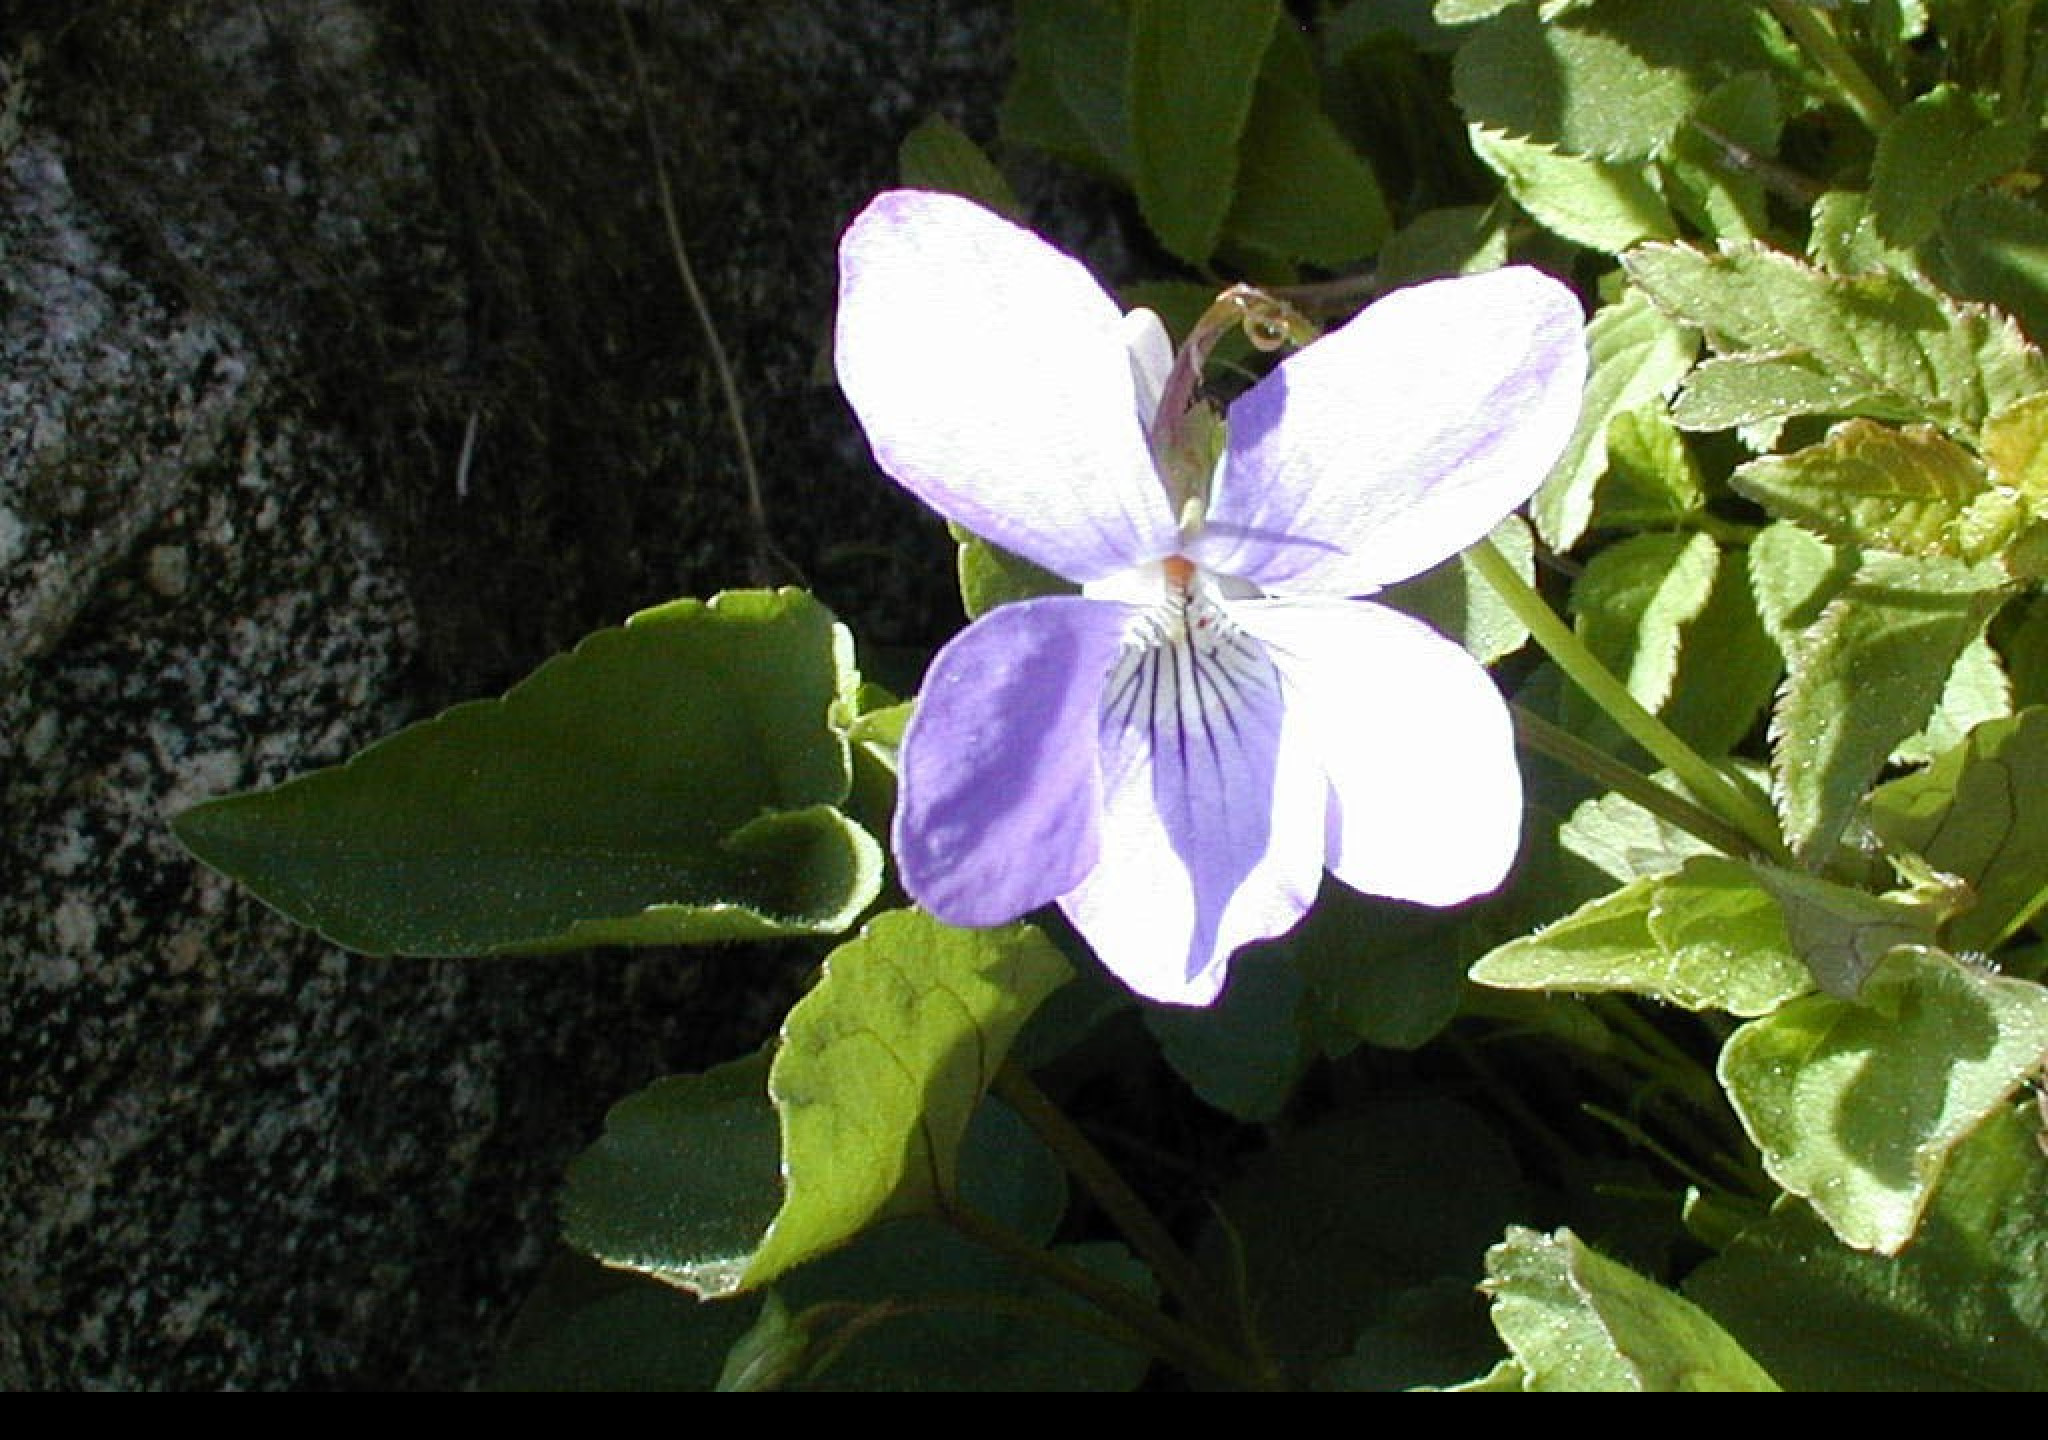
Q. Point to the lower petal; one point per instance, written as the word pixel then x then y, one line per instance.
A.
pixel 1211 833
pixel 1425 795
pixel 1000 791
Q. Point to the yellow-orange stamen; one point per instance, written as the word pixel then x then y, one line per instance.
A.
pixel 1180 572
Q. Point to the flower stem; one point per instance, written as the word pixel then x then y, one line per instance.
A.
pixel 1536 733
pixel 1708 785
pixel 1148 1328
pixel 1118 1201
pixel 1818 39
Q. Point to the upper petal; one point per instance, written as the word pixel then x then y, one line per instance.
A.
pixel 1425 795
pixel 991 375
pixel 1212 829
pixel 1000 792
pixel 1399 439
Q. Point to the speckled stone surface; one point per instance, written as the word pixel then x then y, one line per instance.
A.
pixel 231 1156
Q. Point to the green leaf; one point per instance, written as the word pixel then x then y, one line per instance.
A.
pixel 1614 81
pixel 1871 486
pixel 1430 1335
pixel 1652 481
pixel 590 1330
pixel 1964 1307
pixel 1723 198
pixel 1632 603
pixel 684 1181
pixel 881 1067
pixel 1575 1320
pixel 1245 1053
pixel 1972 814
pixel 1596 203
pixel 1977 691
pixel 1193 69
pixel 1842 934
pixel 1066 93
pixel 1455 600
pixel 1994 247
pixel 1302 192
pixel 938 155
pixel 1865 677
pixel 1637 356
pixel 1940 146
pixel 1322 1235
pixel 670 781
pixel 1794 574
pixel 1856 1106
pixel 1708 937
pixel 1728 669
pixel 1871 344
pixel 2015 447
pixel 991 576
pixel 1453 240
pixel 1379 971
pixel 1626 841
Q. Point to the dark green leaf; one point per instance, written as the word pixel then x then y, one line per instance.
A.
pixel 938 155
pixel 1935 150
pixel 1066 94
pixel 1457 240
pixel 670 781
pixel 1381 972
pixel 1575 1320
pixel 1302 192
pixel 1994 247
pixel 1856 1106
pixel 1964 1307
pixel 1245 1053
pixel 1706 178
pixel 1193 67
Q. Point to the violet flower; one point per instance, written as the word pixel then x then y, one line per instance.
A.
pixel 1175 754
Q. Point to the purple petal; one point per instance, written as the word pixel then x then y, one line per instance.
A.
pixel 1400 439
pixel 1000 791
pixel 991 375
pixel 1212 830
pixel 1425 796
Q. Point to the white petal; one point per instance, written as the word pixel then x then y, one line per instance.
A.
pixel 991 375
pixel 1425 795
pixel 1151 352
pixel 1398 440
pixel 1211 832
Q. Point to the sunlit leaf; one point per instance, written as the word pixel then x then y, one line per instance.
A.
pixel 1842 934
pixel 1596 203
pixel 990 575
pixel 670 781
pixel 1856 1106
pixel 1637 356
pixel 1866 676
pixel 1455 600
pixel 1575 1320
pixel 1877 487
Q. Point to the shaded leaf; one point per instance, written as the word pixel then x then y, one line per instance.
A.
pixel 1793 574
pixel 1575 1320
pixel 670 781
pixel 1652 481
pixel 1454 240
pixel 1066 92
pixel 1842 934
pixel 1712 188
pixel 1302 192
pixel 1994 247
pixel 1193 69
pixel 1964 1307
pixel 1935 149
pixel 1974 813
pixel 938 155
pixel 1245 1053
pixel 1856 1106
pixel 1633 601
pixel 1728 669
pixel 1455 600
pixel 1865 677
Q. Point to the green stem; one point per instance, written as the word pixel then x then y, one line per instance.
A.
pixel 1818 39
pixel 1150 1330
pixel 1126 1211
pixel 2012 57
pixel 1537 734
pixel 1708 785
